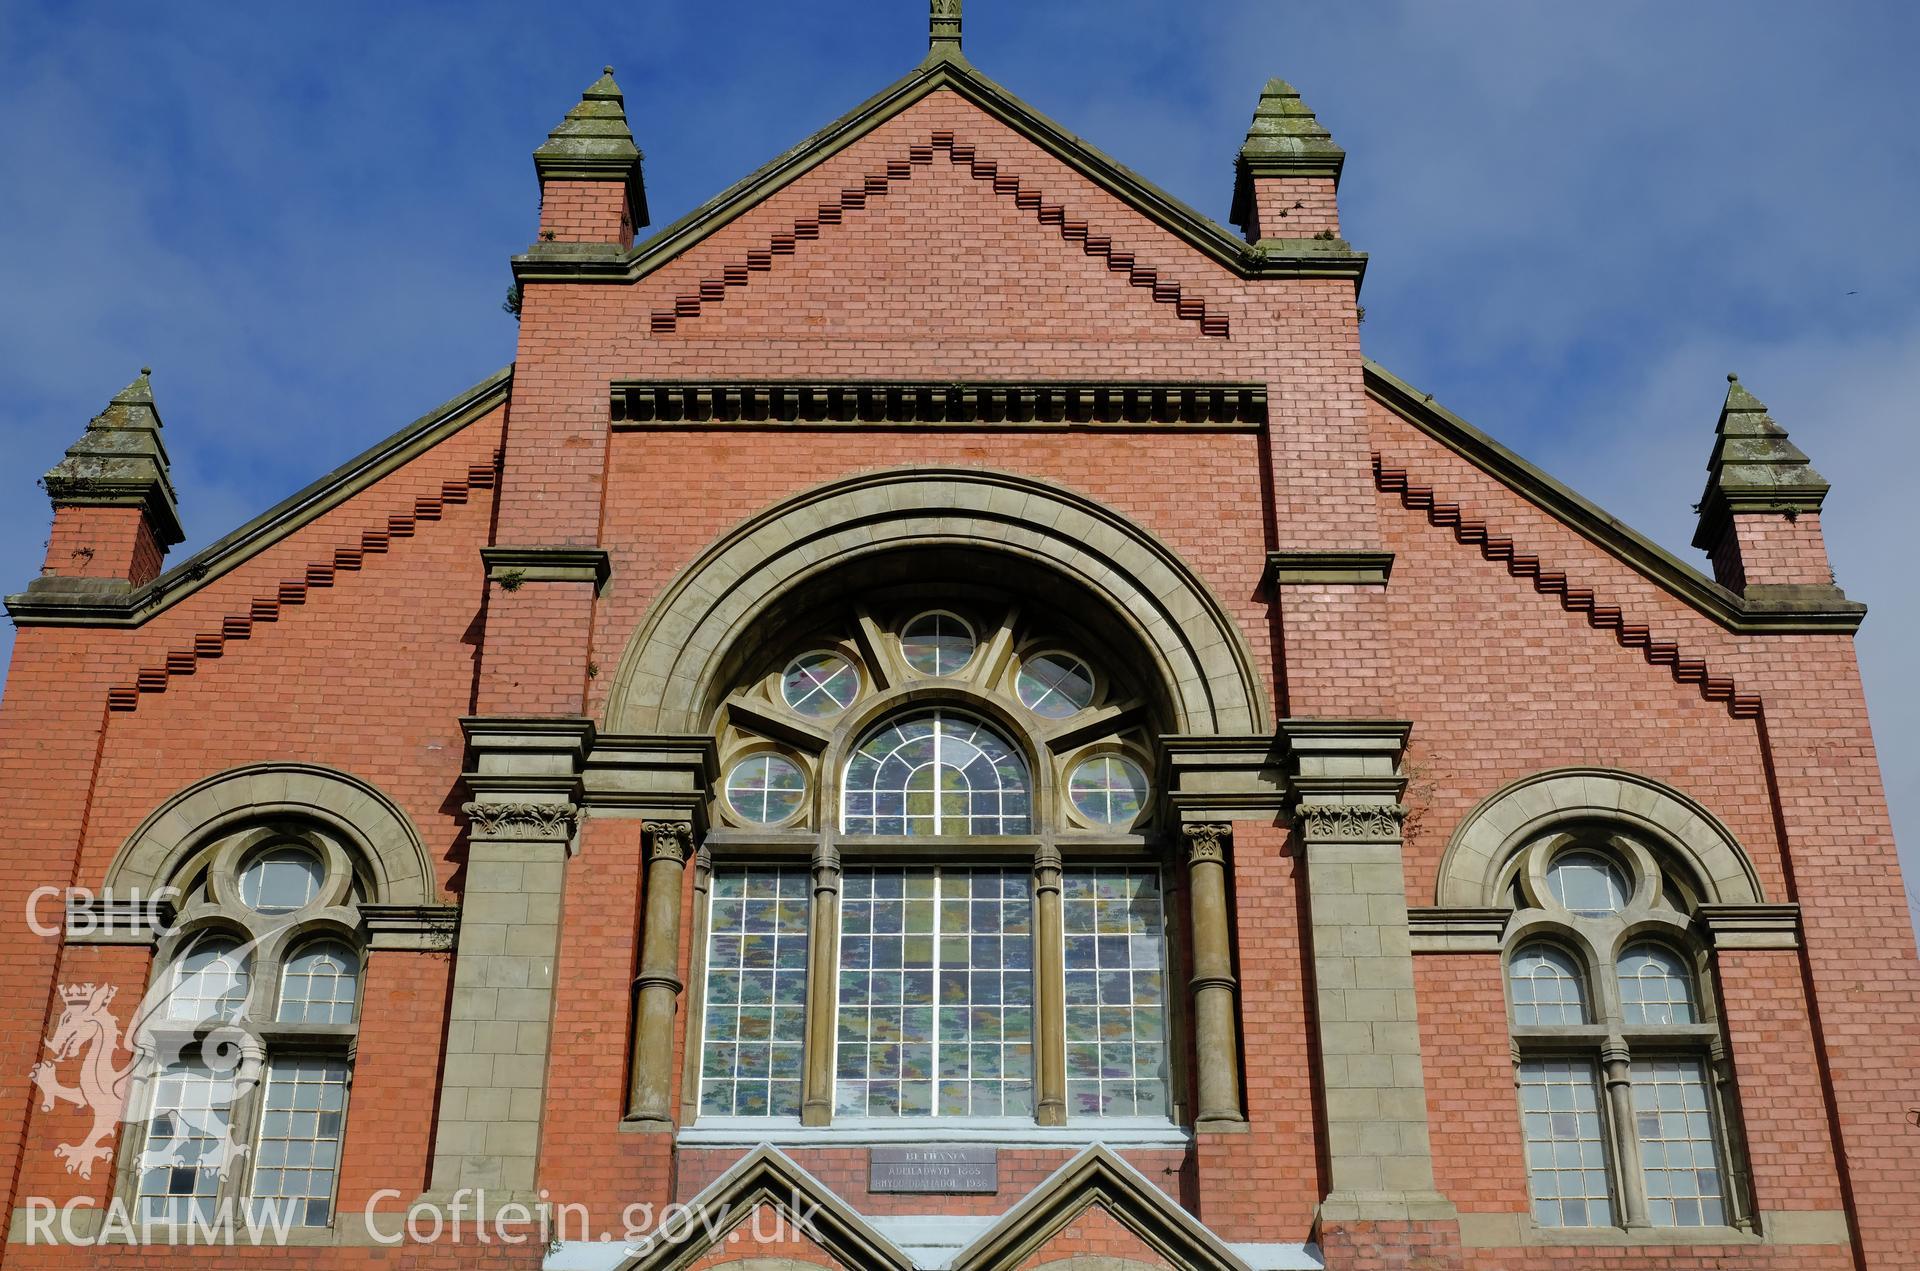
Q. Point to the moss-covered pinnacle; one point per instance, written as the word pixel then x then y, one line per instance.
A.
pixel 1285 139
pixel 119 462
pixel 594 143
pixel 1753 468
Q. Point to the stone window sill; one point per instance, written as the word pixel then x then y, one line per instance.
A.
pixel 1117 1132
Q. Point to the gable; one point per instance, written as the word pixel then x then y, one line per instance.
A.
pixel 590 262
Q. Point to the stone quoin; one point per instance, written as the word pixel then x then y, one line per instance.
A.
pixel 941 714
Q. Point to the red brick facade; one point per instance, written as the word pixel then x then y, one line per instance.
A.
pixel 943 237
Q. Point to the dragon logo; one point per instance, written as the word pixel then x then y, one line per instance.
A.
pixel 188 1043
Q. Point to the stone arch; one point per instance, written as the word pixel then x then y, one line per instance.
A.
pixel 679 652
pixel 1509 819
pixel 399 869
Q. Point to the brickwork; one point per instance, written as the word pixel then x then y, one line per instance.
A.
pixel 942 245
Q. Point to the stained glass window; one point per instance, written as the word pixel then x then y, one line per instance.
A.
pixel 319 985
pixel 766 788
pixel 1588 884
pixel 1655 987
pixel 210 982
pixel 1054 685
pixel 1547 987
pixel 936 773
pixel 188 1142
pixel 820 684
pixel 298 1156
pixel 1566 1153
pixel 1678 1157
pixel 756 999
pixel 281 881
pixel 937 644
pixel 1108 790
pixel 1116 992
pixel 936 994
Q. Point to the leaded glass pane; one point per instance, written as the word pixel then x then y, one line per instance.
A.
pixel 1547 987
pixel 766 788
pixel 1116 993
pixel 936 774
pixel 1108 790
pixel 188 1143
pixel 756 1000
pixel 1588 884
pixel 210 982
pixel 298 1158
pixel 1054 685
pixel 281 881
pixel 820 684
pixel 936 994
pixel 937 644
pixel 1655 987
pixel 1679 1157
pixel 319 985
pixel 1566 1152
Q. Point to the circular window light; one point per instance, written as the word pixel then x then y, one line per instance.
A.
pixel 1054 685
pixel 1587 884
pixel 937 644
pixel 281 880
pixel 765 788
pixel 819 684
pixel 1108 790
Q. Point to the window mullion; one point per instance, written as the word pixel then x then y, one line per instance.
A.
pixel 1617 1070
pixel 823 983
pixel 1049 972
pixel 243 1125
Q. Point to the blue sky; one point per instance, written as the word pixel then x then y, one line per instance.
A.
pixel 1580 217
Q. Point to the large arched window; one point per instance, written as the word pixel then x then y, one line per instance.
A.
pixel 940 976
pixel 256 1001
pixel 1624 1108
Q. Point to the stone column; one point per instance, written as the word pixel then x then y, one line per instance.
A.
pixel 1049 959
pixel 1216 1039
pixel 1347 785
pixel 1616 1070
pixel 823 947
pixel 657 985
pixel 494 1079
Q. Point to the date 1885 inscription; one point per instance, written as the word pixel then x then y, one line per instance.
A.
pixel 934 1169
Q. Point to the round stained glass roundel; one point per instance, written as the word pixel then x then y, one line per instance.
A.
pixel 766 788
pixel 937 644
pixel 1054 685
pixel 819 684
pixel 1108 790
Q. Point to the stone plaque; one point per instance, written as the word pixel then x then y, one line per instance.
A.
pixel 934 1169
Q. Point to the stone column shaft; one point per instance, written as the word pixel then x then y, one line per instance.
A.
pixel 823 945
pixel 657 986
pixel 1216 1029
pixel 1049 960
pixel 1617 1074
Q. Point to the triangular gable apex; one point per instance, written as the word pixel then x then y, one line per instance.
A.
pixel 768 1176
pixel 592 262
pixel 1097 1176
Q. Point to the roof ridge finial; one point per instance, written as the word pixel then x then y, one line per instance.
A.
pixel 943 28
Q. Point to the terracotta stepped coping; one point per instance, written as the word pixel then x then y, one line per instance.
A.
pixel 713 290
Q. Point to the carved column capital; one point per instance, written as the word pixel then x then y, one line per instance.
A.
pixel 522 822
pixel 1207 842
pixel 669 840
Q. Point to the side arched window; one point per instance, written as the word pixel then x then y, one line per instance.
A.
pixel 1624 1102
pixel 257 1007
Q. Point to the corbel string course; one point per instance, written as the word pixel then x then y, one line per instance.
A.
pixel 1601 612
pixel 646 403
